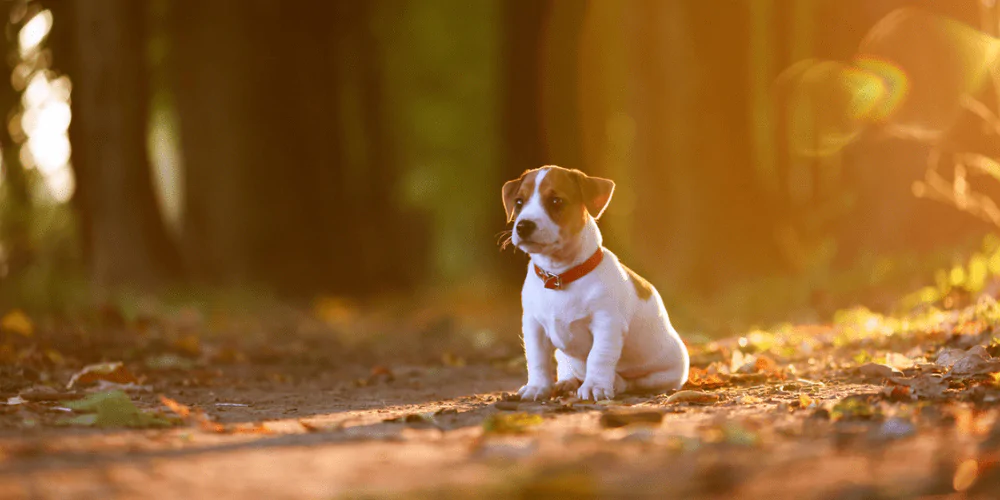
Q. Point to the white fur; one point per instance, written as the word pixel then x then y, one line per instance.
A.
pixel 604 338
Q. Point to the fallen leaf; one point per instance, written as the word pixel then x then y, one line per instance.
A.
pixel 198 418
pixel 510 423
pixel 701 379
pixel 111 372
pixel 898 361
pixel 947 357
pixel 609 402
pixel 692 397
pixel 975 361
pixel 806 402
pixel 928 386
pixel 764 364
pixel 965 475
pixel 111 409
pixel 876 370
pixel 897 392
pixel 622 419
pixel 181 410
pixel 18 323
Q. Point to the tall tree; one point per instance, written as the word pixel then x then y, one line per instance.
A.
pixel 523 148
pixel 126 239
pixel 14 232
pixel 211 62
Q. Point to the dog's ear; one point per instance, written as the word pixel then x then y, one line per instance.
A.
pixel 510 189
pixel 596 193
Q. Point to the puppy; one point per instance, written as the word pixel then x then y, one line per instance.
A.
pixel 605 326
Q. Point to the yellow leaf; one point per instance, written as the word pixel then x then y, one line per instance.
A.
pixel 965 475
pixel 17 322
pixel 510 423
pixel 805 401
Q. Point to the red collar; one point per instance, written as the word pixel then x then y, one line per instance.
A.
pixel 559 281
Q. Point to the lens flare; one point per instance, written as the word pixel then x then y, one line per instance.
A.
pixel 893 83
pixel 940 60
pixel 830 104
pixel 910 77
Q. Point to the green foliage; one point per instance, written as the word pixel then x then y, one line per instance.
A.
pixel 510 423
pixel 51 277
pixel 112 409
pixel 441 88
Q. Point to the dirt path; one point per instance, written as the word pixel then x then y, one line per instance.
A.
pixel 432 432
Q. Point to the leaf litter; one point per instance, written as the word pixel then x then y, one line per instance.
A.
pixel 868 381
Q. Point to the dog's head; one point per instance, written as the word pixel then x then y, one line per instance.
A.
pixel 551 205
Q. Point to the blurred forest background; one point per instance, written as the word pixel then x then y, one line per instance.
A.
pixel 356 149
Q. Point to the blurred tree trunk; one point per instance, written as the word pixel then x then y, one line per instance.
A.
pixel 521 106
pixel 127 243
pixel 304 242
pixel 211 63
pixel 662 59
pixel 374 161
pixel 14 215
pixel 560 72
pixel 274 196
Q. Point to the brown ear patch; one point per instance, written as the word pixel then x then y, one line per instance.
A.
pixel 642 287
pixel 522 187
pixel 596 193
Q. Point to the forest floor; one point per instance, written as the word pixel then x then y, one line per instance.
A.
pixel 867 407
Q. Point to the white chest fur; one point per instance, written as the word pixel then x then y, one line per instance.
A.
pixel 603 331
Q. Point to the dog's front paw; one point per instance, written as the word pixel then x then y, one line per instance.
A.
pixel 535 392
pixel 595 391
pixel 569 385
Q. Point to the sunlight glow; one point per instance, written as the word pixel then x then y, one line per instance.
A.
pixel 34 32
pixel 909 78
pixel 893 87
pixel 44 123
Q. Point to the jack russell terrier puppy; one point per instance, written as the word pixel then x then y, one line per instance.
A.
pixel 605 325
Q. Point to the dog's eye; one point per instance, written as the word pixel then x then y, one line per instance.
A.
pixel 518 202
pixel 556 201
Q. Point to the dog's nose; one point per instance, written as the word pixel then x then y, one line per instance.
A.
pixel 525 228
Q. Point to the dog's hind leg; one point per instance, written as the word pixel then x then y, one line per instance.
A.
pixel 659 381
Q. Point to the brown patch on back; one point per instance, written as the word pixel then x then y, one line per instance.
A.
pixel 563 199
pixel 642 287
